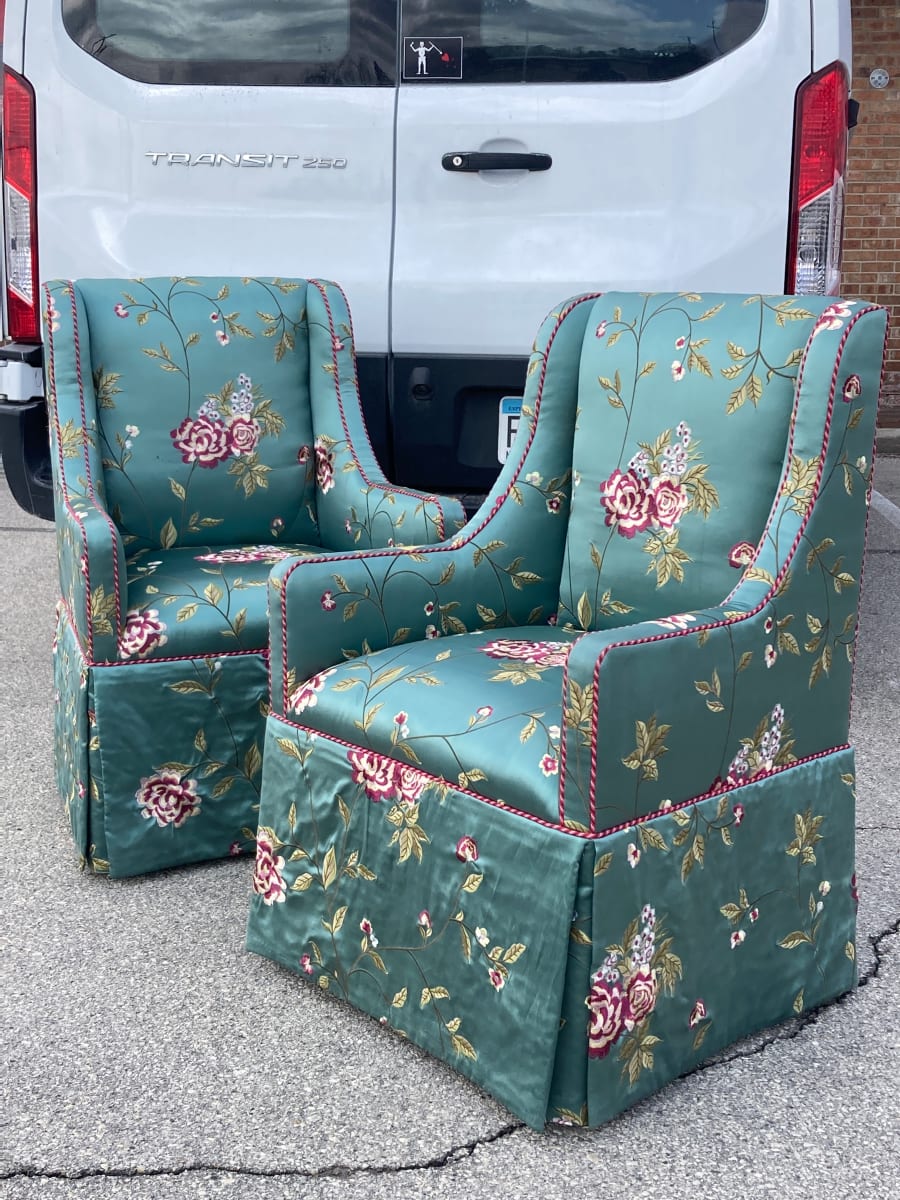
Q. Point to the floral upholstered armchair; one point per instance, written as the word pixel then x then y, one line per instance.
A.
pixel 569 800
pixel 202 430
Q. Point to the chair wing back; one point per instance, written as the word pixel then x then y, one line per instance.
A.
pixel 684 418
pixel 201 396
pixel 356 505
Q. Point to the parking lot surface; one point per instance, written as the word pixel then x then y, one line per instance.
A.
pixel 146 1055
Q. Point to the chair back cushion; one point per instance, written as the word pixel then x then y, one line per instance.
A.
pixel 204 422
pixel 684 415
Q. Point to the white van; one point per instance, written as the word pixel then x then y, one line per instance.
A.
pixel 459 167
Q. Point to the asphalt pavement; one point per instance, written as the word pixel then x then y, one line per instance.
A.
pixel 145 1055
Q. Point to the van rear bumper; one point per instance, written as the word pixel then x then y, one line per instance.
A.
pixel 24 438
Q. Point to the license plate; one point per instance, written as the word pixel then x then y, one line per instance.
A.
pixel 510 412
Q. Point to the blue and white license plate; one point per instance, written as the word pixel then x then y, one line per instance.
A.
pixel 510 413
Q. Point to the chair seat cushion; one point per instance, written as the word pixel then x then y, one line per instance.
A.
pixel 481 711
pixel 197 600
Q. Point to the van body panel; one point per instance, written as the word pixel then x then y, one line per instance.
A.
pixel 831 34
pixel 146 174
pixel 653 185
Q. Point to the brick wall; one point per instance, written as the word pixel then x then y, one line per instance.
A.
pixel 871 263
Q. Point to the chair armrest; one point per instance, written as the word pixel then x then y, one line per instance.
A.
pixel 502 569
pixel 357 506
pixel 331 607
pixel 709 700
pixel 92 575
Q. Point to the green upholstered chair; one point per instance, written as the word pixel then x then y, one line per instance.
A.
pixel 569 800
pixel 202 430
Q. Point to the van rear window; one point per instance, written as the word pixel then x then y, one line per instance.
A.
pixel 576 41
pixel 267 42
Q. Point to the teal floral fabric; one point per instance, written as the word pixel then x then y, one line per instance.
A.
pixel 573 853
pixel 203 430
pixel 661 505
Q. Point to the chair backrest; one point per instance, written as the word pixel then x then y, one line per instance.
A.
pixel 684 419
pixel 203 408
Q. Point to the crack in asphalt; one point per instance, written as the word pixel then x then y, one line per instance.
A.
pixel 336 1171
pixel 455 1154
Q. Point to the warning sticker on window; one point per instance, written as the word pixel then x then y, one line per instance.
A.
pixel 432 58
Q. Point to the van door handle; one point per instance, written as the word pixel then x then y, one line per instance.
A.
pixel 473 160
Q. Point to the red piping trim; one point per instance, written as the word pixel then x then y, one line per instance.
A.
pixel 585 835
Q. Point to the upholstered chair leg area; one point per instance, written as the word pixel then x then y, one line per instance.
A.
pixel 202 430
pixel 568 800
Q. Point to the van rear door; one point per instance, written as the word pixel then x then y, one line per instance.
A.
pixel 218 137
pixel 656 116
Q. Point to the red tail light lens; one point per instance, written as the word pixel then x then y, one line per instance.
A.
pixel 19 198
pixel 817 183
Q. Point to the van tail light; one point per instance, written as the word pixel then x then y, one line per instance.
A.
pixel 816 220
pixel 20 209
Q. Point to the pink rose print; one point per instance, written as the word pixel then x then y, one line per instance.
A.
pixel 698 1012
pixel 677 371
pixel 235 849
pixel 737 937
pixel 549 765
pixel 268 880
pixel 202 441
pixel 754 915
pixel 540 654
pixel 600 331
pixel 324 466
pixel 306 695
pixel 497 978
pixel 852 389
pixel 410 784
pixel 741 554
pixel 306 964
pixel 738 811
pixel 641 992
pixel 336 344
pixel 303 455
pixel 467 849
pixel 627 503
pixel 214 316
pixel 833 317
pixel 608 1020
pixel 377 774
pixel 668 501
pixel 633 855
pixel 222 337
pixel 243 435
pixel 245 554
pixel 120 310
pixel 168 799
pixel 143 633
pixel 328 601
pixel 424 920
